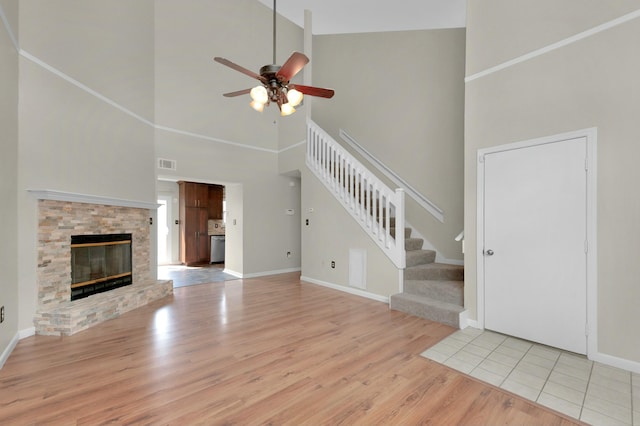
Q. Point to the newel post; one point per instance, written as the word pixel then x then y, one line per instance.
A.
pixel 400 252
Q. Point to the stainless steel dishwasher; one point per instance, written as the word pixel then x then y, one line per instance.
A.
pixel 217 248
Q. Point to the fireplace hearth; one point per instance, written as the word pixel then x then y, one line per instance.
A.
pixel 99 263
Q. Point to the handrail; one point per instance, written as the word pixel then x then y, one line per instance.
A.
pixel 361 193
pixel 423 201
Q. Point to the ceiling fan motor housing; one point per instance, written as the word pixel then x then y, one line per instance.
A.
pixel 274 84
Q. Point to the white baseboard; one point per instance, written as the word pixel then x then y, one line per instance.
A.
pixel 350 290
pixel 463 319
pixel 5 354
pixel 449 261
pixel 470 323
pixel 260 274
pixel 21 334
pixel 614 361
pixel 27 332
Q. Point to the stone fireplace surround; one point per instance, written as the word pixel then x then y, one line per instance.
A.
pixel 58 219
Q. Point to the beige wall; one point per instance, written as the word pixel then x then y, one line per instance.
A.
pixel 594 82
pixel 257 198
pixel 190 84
pixel 528 25
pixel 71 140
pixel 329 236
pixel 8 177
pixel 106 45
pixel 401 96
pixel 222 140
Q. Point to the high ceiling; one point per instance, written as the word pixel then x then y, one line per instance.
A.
pixel 359 16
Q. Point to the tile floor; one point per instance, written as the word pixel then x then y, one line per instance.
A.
pixel 183 276
pixel 571 384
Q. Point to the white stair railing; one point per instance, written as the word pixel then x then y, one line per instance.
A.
pixel 362 194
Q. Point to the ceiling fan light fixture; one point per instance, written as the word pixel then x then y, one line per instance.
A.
pixel 287 109
pixel 295 97
pixel 275 81
pixel 257 106
pixel 259 94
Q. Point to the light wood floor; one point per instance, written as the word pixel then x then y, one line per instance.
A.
pixel 255 351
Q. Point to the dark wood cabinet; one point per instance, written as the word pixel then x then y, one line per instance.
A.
pixel 195 194
pixel 216 195
pixel 193 215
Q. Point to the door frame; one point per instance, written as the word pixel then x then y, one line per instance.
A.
pixel 591 211
pixel 168 198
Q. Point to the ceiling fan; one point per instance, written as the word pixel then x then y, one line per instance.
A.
pixel 275 79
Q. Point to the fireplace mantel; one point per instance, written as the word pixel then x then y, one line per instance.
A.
pixel 48 194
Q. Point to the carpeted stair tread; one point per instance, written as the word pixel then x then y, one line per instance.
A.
pixel 419 257
pixel 413 244
pixel 427 308
pixel 407 232
pixel 435 271
pixel 444 291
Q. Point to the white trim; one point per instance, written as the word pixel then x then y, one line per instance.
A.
pixel 7 351
pixel 423 201
pixel 7 26
pixel 212 139
pixel 295 145
pixel 47 194
pixel 350 290
pixel 27 332
pixel 562 43
pixel 463 319
pixel 473 324
pixel 592 274
pixel 614 361
pixel 138 117
pixel 81 86
pixel 260 274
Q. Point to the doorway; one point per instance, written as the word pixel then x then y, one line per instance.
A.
pixel 536 240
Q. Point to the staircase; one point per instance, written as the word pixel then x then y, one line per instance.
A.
pixel 434 291
pixel 431 290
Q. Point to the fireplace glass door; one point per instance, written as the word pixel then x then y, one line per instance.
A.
pixel 99 263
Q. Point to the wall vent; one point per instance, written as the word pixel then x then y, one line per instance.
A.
pixel 165 164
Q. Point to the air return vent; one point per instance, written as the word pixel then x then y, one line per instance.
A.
pixel 165 164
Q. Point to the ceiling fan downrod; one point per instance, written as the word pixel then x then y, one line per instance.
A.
pixel 274 32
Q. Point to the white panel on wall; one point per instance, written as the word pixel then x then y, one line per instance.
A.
pixel 358 268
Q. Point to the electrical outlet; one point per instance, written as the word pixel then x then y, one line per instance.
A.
pixel 333 264
pixel 1 313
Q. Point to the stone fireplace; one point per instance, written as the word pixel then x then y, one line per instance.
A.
pixel 58 221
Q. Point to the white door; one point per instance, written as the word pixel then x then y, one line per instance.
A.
pixel 535 280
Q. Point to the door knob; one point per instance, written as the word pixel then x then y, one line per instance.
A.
pixel 488 252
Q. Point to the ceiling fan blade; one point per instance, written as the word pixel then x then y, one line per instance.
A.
pixel 293 65
pixel 313 91
pixel 237 67
pixel 237 93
